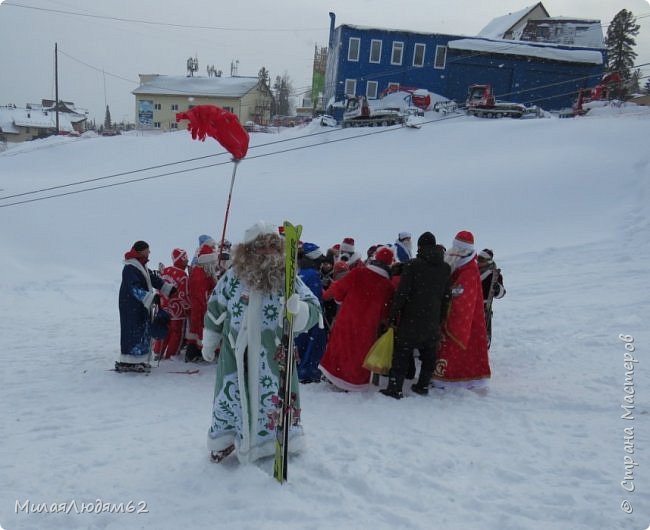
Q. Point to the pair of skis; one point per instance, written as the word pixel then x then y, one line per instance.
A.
pixel 286 360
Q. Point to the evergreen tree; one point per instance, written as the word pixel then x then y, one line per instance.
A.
pixel 620 48
pixel 283 88
pixel 647 87
pixel 107 119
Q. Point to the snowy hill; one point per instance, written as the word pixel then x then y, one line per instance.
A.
pixel 565 206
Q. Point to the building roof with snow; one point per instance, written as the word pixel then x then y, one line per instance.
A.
pixel 179 85
pixel 506 47
pixel 534 24
pixel 565 30
pixel 505 27
pixel 13 118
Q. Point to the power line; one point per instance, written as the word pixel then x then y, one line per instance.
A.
pixel 151 177
pixel 153 23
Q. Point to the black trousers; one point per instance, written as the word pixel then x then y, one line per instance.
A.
pixel 403 356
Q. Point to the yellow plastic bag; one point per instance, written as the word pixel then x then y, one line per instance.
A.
pixel 380 356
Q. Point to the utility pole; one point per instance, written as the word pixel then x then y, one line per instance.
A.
pixel 56 85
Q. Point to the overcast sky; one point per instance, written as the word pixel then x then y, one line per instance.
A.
pixel 100 57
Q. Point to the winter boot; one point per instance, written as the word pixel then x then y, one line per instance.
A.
pixel 394 388
pixel 218 456
pixel 422 390
pixel 132 367
pixel 192 353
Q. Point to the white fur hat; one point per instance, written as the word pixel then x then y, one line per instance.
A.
pixel 258 229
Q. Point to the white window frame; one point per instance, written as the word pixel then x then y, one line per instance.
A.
pixel 354 89
pixel 440 50
pixel 368 85
pixel 401 55
pixel 372 44
pixel 174 106
pixel 156 125
pixel 157 106
pixel 424 51
pixel 392 84
pixel 356 60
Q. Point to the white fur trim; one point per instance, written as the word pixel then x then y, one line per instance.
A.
pixel 135 359
pixel 340 383
pixel 346 247
pixel 148 299
pixel 378 270
pixel 404 235
pixel 203 259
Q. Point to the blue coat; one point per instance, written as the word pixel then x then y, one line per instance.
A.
pixel 136 297
pixel 403 255
pixel 311 344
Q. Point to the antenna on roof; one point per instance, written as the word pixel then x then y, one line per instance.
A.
pixel 234 66
pixel 192 66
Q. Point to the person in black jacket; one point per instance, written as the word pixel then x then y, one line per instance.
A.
pixel 415 315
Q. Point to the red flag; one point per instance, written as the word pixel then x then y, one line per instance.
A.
pixel 223 126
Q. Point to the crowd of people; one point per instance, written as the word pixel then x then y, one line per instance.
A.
pixel 229 308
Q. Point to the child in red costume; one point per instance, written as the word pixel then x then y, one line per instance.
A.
pixel 177 306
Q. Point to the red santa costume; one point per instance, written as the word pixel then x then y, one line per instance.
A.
pixel 201 283
pixel 365 294
pixel 463 356
pixel 177 306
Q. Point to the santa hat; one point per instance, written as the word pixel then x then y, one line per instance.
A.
pixel 259 229
pixel 347 245
pixel 464 240
pixel 207 254
pixel 385 256
pixel 312 251
pixel 178 254
pixel 404 235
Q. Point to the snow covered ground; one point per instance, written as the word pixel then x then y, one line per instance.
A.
pixel 565 206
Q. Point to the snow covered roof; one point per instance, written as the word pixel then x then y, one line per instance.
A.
pixel 510 47
pixel 197 86
pixel 565 30
pixel 498 27
pixel 13 117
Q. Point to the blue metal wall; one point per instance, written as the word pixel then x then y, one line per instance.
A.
pixel 524 79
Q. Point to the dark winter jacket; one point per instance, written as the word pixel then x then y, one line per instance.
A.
pixel 486 282
pixel 416 308
pixel 135 300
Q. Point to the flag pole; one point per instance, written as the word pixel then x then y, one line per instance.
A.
pixel 225 221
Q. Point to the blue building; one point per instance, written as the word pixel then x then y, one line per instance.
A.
pixel 528 57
